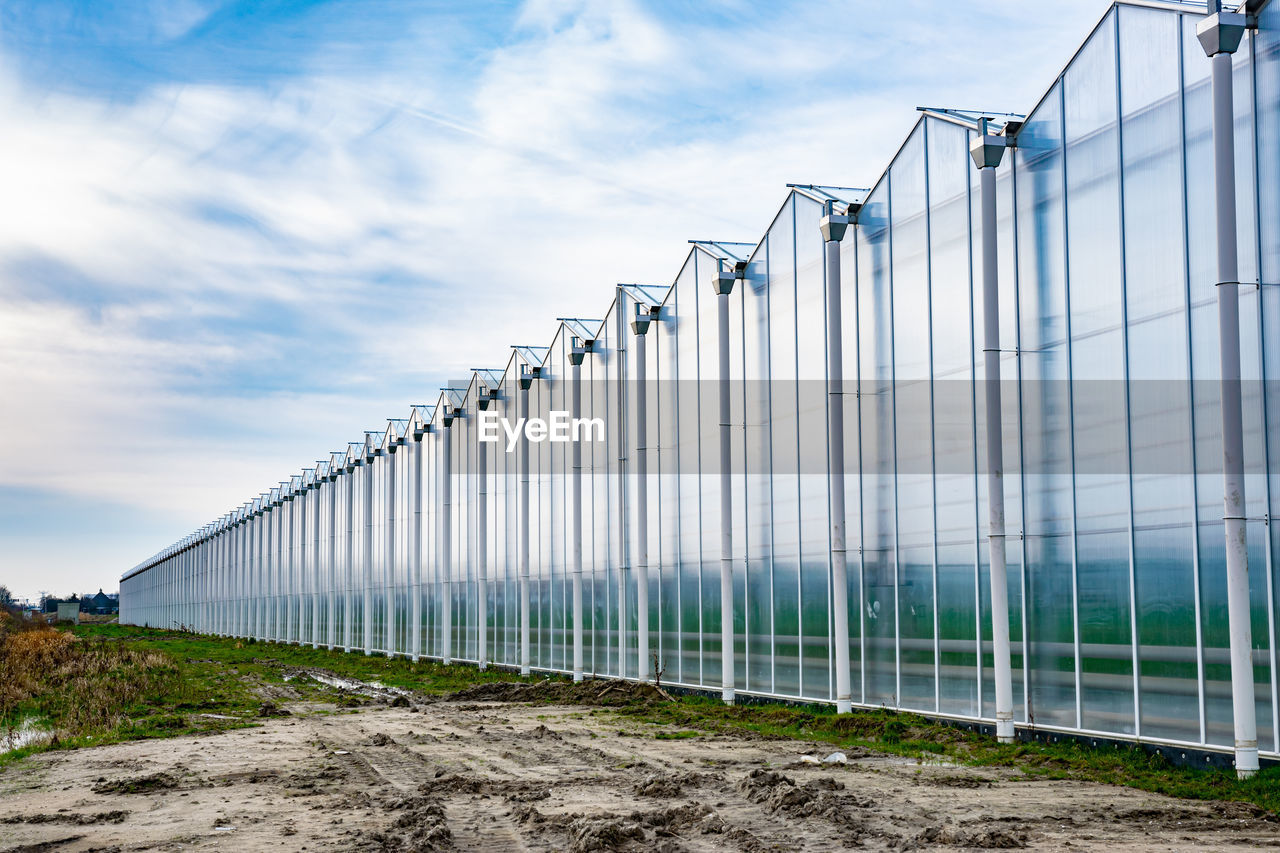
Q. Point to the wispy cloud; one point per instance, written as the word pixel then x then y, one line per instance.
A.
pixel 235 235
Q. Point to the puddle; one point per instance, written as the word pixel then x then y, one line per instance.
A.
pixel 27 733
pixel 351 685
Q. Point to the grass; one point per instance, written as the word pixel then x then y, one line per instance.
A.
pixel 913 736
pixel 108 683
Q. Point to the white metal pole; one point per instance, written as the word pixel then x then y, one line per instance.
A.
pixel 300 557
pixel 366 570
pixel 331 630
pixel 482 550
pixel 1220 34
pixel 446 540
pixel 987 151
pixel 290 574
pixel 278 605
pixel 389 571
pixel 575 382
pixel 316 586
pixel 415 584
pixel 348 605
pixel 833 228
pixel 643 665
pixel 640 326
pixel 524 530
pixel 723 283
pixel 246 520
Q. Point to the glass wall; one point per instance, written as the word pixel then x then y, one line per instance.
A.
pixel 1111 437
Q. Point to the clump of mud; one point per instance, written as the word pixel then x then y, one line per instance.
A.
pixel 381 739
pixel 114 816
pixel 817 798
pixel 640 830
pixel 585 833
pixel 420 827
pixel 601 692
pixel 271 709
pixel 445 782
pixel 985 838
pixel 666 784
pixel 154 783
pixel 325 779
pixel 603 833
pixel 520 792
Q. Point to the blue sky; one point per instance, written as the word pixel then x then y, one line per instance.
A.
pixel 235 235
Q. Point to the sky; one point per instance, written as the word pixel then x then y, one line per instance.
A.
pixel 235 235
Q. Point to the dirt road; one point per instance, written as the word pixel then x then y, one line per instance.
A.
pixel 456 775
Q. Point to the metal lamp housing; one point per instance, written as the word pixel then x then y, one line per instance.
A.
pixel 723 281
pixel 987 150
pixel 1221 32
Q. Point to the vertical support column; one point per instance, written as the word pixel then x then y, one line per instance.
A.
pixel 366 571
pixel 220 606
pixel 526 379
pixel 640 325
pixel 446 538
pixel 301 554
pixel 1220 34
pixel 266 611
pixel 289 575
pixel 576 354
pixel 233 611
pixel 260 569
pixel 331 626
pixel 415 580
pixel 246 531
pixel 482 546
pixel 317 497
pixel 723 283
pixel 277 607
pixel 224 577
pixel 833 229
pixel 349 562
pixel 390 571
pixel 987 151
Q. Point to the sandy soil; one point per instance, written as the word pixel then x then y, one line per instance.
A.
pixel 466 775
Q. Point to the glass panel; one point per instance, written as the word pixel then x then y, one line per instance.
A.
pixel 1159 394
pixel 1047 506
pixel 913 423
pixel 875 414
pixel 950 310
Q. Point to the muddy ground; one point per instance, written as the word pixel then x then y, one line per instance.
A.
pixel 470 773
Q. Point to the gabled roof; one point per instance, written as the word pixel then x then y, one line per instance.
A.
pixel 419 416
pixel 726 250
pixel 393 436
pixel 532 356
pixel 646 294
pixel 585 330
pixel 355 454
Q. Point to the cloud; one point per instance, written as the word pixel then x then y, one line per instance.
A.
pixel 207 285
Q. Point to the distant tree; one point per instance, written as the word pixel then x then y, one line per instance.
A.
pixel 6 597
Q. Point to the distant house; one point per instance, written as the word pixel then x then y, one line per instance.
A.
pixel 101 603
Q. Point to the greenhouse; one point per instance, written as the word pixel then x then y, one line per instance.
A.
pixel 956 442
